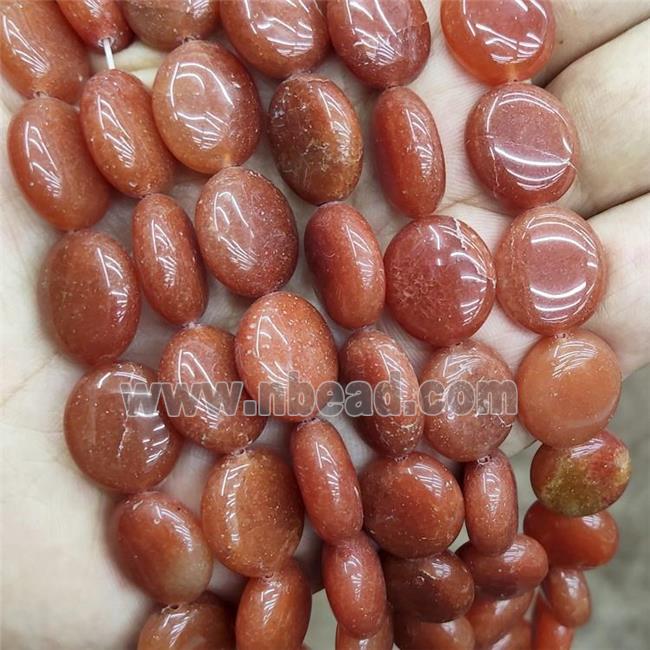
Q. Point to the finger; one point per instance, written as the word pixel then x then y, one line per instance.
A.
pixel 584 25
pixel 608 93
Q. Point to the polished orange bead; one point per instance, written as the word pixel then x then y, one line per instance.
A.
pixel 569 387
pixel 519 637
pixel 96 21
pixel 548 632
pixel 499 40
pixel 522 144
pixel 567 594
pixel 491 618
pixel 413 634
pixel 381 640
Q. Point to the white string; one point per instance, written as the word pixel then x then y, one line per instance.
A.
pixel 108 53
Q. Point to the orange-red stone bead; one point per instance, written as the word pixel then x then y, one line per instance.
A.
pixel 252 513
pixel 548 632
pixel 411 633
pixel 96 21
pixel 52 166
pixel 520 637
pixel 383 42
pixel 567 594
pixel 499 40
pixel 381 640
pixel 90 297
pixel 491 618
pixel 569 387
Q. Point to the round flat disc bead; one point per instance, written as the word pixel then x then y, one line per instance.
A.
pixel 440 280
pixel 499 40
pixel 569 387
pixel 522 144
pixel 551 270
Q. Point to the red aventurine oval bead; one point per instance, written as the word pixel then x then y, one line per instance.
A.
pixel 52 166
pixel 315 138
pixel 96 21
pixel 569 387
pixel 195 362
pixel 517 570
pixel 491 509
pixel 252 513
pixel 518 638
pixel 327 480
pixel 573 542
pixel 274 612
pixel 206 107
pixel 395 426
pixel 165 25
pixel 413 506
pixel 408 154
pixel 440 280
pixel 522 144
pixel 584 479
pixel 355 585
pixel 120 132
pixel 278 38
pixel 119 450
pixel 383 42
pixel 284 352
pixel 167 259
pixel 548 632
pixel 381 640
pixel 435 589
pixel 39 52
pixel 491 618
pixel 247 232
pixel 567 594
pixel 89 296
pixel 551 270
pixel 162 548
pixel 470 400
pixel 344 256
pixel 499 40
pixel 413 634
pixel 205 624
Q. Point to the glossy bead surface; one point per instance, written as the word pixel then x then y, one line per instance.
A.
pixel 52 166
pixel 435 589
pixel 383 42
pixel 194 363
pixel 569 388
pixel 491 508
pixel 96 21
pixel 408 153
pixel 205 624
pixel 573 542
pixel 519 637
pixel 121 134
pixel 252 513
pixel 344 255
pixel 567 594
pixel 116 449
pixel 355 585
pixel 162 548
pixel 395 426
pixel 491 618
pixel 206 107
pixel 440 280
pixel 548 632
pixel 522 144
pixel 278 38
pixel 381 640
pixel 39 51
pixel 584 479
pixel 167 259
pixel 165 25
pixel 499 40
pixel 413 506
pixel 89 296
pixel 457 423
pixel 327 480
pixel 515 571
pixel 315 138
pixel 413 634
pixel 551 270
pixel 274 612
pixel 283 342
pixel 247 232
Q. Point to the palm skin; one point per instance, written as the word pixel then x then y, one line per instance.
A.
pixel 60 585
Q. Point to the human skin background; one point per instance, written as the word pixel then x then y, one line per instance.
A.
pixel 60 587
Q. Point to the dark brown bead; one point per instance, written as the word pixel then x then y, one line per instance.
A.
pixel 96 21
pixel 567 594
pixel 491 618
pixel 413 634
